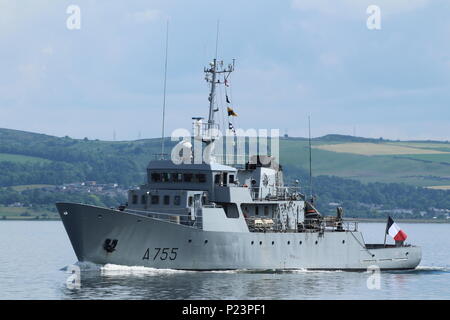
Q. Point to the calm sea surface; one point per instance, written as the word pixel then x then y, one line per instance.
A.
pixel 35 255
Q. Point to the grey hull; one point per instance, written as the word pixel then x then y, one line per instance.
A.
pixel 144 241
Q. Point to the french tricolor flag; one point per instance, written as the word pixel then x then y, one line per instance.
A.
pixel 394 231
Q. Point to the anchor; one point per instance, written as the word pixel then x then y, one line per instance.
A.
pixel 110 246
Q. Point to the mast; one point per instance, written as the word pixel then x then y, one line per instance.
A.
pixel 215 68
pixel 164 99
pixel 213 71
pixel 209 132
pixel 213 83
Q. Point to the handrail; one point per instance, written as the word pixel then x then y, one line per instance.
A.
pixel 146 212
pixel 275 193
pixel 171 217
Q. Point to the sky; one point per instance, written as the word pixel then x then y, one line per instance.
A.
pixel 294 58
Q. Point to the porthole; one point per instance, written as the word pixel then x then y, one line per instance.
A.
pixel 253 242
pixel 273 242
pixel 260 243
pixel 289 242
pixel 189 240
pixel 317 242
pixel 300 242
pixel 343 241
pixel 206 241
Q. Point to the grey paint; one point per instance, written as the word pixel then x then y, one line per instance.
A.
pixel 89 226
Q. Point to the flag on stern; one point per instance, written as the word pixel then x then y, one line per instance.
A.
pixel 394 230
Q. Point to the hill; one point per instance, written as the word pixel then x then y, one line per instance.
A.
pixel 378 168
pixel 419 163
pixel 30 158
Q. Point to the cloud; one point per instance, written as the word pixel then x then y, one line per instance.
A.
pixel 357 8
pixel 147 16
pixel 13 14
pixel 329 59
pixel 32 74
pixel 48 51
pixel 309 56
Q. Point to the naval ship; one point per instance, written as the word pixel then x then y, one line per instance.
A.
pixel 214 216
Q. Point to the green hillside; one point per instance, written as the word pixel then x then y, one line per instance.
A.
pixel 30 158
pixel 54 160
pixel 412 169
pixel 366 176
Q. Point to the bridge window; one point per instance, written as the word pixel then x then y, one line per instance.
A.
pixel 155 199
pixel 166 200
pixel 177 177
pixel 188 177
pixel 176 200
pixel 217 179
pixel 143 199
pixel 156 177
pixel 231 178
pixel 256 211
pixel 266 210
pixel 201 177
pixel 134 199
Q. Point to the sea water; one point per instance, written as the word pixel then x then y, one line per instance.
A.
pixel 36 259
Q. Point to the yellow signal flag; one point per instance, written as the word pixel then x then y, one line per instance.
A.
pixel 231 112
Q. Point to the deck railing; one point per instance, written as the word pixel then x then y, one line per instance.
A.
pixel 275 193
pixel 177 218
pixel 325 224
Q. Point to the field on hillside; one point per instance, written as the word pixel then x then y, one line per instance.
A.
pixel 30 187
pixel 18 158
pixel 443 146
pixel 439 187
pixel 377 149
pixel 420 164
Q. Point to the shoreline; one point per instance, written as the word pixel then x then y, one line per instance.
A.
pixel 10 218
pixel 359 220
pixel 376 220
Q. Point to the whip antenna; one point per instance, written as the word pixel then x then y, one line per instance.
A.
pixel 165 86
pixel 217 36
pixel 310 159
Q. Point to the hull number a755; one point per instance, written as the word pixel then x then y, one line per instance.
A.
pixel 161 254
